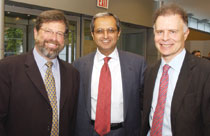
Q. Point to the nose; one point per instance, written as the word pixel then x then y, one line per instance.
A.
pixel 165 36
pixel 53 36
pixel 105 34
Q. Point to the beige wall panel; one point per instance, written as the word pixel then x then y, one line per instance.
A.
pixel 131 11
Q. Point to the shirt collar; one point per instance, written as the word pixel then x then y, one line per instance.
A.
pixel 114 55
pixel 176 62
pixel 41 61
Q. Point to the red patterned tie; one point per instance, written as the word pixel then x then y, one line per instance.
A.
pixel 157 122
pixel 103 109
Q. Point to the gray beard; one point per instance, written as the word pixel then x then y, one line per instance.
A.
pixel 51 54
pixel 47 54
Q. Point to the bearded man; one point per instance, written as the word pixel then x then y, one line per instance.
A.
pixel 38 91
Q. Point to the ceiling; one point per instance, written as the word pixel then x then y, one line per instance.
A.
pixel 200 9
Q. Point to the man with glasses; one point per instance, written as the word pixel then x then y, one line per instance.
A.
pixel 111 82
pixel 38 91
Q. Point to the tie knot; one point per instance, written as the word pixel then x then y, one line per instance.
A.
pixel 106 59
pixel 49 64
pixel 166 67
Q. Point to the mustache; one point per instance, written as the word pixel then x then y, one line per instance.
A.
pixel 52 42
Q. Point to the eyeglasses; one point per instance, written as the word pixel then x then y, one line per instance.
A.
pixel 102 31
pixel 50 33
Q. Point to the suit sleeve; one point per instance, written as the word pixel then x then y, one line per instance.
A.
pixel 76 83
pixel 206 107
pixel 143 68
pixel 4 97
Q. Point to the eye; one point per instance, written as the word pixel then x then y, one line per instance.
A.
pixel 159 32
pixel 99 31
pixel 111 30
pixel 48 31
pixel 172 31
pixel 61 34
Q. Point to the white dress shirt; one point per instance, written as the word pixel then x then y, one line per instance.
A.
pixel 175 67
pixel 116 85
pixel 41 61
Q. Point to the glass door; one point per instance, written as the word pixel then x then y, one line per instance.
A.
pixel 132 39
pixel 14 39
pixel 69 52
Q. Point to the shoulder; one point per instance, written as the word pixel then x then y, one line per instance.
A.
pixel 130 55
pixel 83 60
pixel 204 65
pixel 67 66
pixel 15 60
pixel 12 65
pixel 201 64
pixel 129 58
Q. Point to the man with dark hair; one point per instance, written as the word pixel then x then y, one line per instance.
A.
pixel 208 56
pixel 177 88
pixel 196 53
pixel 111 82
pixel 38 91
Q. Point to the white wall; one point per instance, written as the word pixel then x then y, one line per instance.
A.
pixel 131 11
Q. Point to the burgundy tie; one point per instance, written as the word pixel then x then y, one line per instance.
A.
pixel 103 108
pixel 157 122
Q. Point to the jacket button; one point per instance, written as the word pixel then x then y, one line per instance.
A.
pixel 48 128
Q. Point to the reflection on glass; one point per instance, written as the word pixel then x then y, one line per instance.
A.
pixel 89 45
pixel 13 43
pixel 132 39
pixel 68 53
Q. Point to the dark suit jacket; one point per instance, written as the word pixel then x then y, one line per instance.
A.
pixel 24 105
pixel 190 109
pixel 132 69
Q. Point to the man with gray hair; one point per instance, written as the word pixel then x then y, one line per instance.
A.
pixel 111 84
pixel 177 87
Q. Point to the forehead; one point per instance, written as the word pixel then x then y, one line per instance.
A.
pixel 54 24
pixel 106 21
pixel 169 22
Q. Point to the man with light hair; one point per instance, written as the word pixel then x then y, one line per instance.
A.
pixel 177 87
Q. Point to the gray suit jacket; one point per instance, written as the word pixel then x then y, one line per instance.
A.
pixel 132 70
pixel 190 108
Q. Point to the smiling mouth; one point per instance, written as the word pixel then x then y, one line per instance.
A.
pixel 105 41
pixel 52 44
pixel 166 45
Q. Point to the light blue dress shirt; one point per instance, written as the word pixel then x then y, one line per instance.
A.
pixel 41 61
pixel 175 67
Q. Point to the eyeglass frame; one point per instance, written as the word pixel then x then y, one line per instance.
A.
pixel 51 32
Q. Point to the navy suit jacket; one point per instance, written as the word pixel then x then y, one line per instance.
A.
pixel 190 108
pixel 132 70
pixel 25 109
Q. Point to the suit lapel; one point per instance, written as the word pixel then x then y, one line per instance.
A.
pixel 149 87
pixel 34 74
pixel 182 85
pixel 63 83
pixel 88 68
pixel 126 76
